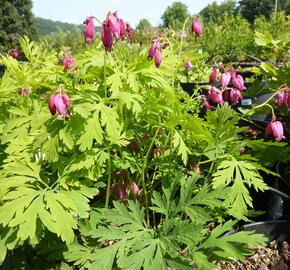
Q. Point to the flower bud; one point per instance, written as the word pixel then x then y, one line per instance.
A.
pixel 205 102
pixel 14 53
pixel 225 79
pixel 275 128
pixel 188 65
pixel 238 82
pixel 158 57
pixel 235 96
pixel 286 99
pixel 113 22
pixel 122 29
pixel 152 50
pixel 59 103
pixel 213 75
pixel 130 30
pixel 89 31
pixel 279 100
pixel 215 95
pixel 68 62
pixel 196 27
pixel 107 37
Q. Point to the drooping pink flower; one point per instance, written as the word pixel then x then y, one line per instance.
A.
pixel 68 62
pixel 196 27
pixel 188 65
pixel 135 188
pixel 152 49
pixel 129 30
pixel 238 82
pixel 122 29
pixel 225 79
pixel 89 31
pixel 280 97
pixel 14 53
pixel 107 37
pixel 113 21
pixel 213 75
pixel 59 103
pixel 275 128
pixel 158 57
pixel 235 96
pixel 215 95
pixel 121 190
pixel 205 102
pixel 286 99
pixel 51 105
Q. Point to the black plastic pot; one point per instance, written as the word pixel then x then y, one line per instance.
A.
pixel 2 70
pixel 274 230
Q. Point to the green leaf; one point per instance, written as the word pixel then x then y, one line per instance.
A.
pixel 236 172
pixel 179 144
pixel 93 131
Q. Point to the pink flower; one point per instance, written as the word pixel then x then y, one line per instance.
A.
pixel 275 128
pixel 213 75
pixel 14 53
pixel 235 96
pixel 107 37
pixel 68 62
pixel 215 95
pixel 232 71
pixel 89 31
pixel 238 82
pixel 152 49
pixel 286 99
pixel 130 30
pixel 188 65
pixel 135 188
pixel 225 79
pixel 59 103
pixel 121 190
pixel 279 100
pixel 205 102
pixel 122 29
pixel 158 57
pixel 196 27
pixel 113 22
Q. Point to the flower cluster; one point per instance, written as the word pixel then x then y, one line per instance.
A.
pixel 114 26
pixel 230 94
pixel 155 51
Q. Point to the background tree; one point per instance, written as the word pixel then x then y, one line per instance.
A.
pixel 254 8
pixel 143 24
pixel 16 19
pixel 175 15
pixel 215 12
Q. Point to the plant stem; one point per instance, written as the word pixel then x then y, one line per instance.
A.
pixel 143 176
pixel 104 70
pixel 109 183
pixel 261 105
pixel 276 6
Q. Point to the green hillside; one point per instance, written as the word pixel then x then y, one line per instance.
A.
pixel 45 26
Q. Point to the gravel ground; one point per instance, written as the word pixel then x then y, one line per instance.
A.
pixel 276 256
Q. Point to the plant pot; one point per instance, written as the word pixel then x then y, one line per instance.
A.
pixel 274 230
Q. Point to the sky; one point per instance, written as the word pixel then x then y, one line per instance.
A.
pixel 75 11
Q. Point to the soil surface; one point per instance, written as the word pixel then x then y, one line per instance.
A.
pixel 276 256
